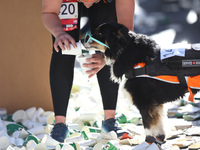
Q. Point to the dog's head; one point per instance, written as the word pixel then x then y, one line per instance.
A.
pixel 115 37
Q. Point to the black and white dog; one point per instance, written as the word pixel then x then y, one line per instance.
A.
pixel 127 50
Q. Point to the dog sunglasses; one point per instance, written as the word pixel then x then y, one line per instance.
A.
pixel 89 37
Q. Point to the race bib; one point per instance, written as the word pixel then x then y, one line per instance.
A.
pixel 69 14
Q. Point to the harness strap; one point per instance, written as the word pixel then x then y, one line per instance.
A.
pixel 182 80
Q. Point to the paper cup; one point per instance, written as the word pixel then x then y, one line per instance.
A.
pixel 4 142
pixel 121 118
pixel 98 146
pixel 19 116
pixel 110 146
pixel 87 116
pixel 12 140
pixel 65 146
pixel 3 113
pixel 10 148
pixel 37 114
pixel 91 142
pixel 11 128
pixel 31 138
pixel 88 129
pixel 31 145
pixel 73 51
pixel 37 130
pixel 75 138
pixel 40 146
pixel 3 133
pixel 49 141
pixel 82 60
pixel 19 142
pixel 30 112
pixel 51 119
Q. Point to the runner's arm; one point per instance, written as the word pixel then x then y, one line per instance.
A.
pixel 125 12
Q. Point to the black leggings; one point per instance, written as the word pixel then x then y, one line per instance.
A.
pixel 62 66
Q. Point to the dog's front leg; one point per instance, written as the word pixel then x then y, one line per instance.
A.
pixel 153 121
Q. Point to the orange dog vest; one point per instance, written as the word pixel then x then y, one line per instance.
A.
pixel 192 81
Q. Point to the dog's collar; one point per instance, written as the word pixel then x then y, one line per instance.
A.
pixel 121 50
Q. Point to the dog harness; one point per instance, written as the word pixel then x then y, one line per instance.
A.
pixel 176 70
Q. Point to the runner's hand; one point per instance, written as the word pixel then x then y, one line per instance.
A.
pixel 65 39
pixel 96 63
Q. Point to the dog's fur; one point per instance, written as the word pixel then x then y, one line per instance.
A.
pixel 148 94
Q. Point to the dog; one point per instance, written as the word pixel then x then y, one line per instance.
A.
pixel 124 51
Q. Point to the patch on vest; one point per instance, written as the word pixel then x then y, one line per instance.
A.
pixel 191 63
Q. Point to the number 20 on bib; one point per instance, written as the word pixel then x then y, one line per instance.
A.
pixel 69 14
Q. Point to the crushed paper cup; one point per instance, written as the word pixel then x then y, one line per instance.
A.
pixel 2 125
pixel 4 142
pixel 115 143
pixel 49 141
pixel 94 135
pixel 3 133
pixel 82 60
pixel 12 140
pixel 98 146
pixel 30 112
pixel 19 116
pixel 194 146
pixel 87 116
pixel 91 142
pixel 11 128
pixel 10 148
pixel 40 146
pixel 37 114
pixel 110 146
pixel 62 146
pixel 37 130
pixel 182 143
pixel 121 118
pixel 89 129
pixel 30 124
pixel 109 136
pixel 51 118
pixel 19 142
pixel 31 138
pixel 31 145
pixel 75 138
pixel 3 113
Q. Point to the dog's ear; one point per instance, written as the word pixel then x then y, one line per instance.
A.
pixel 121 33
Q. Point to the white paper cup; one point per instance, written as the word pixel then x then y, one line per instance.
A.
pixel 19 142
pixel 73 51
pixel 30 112
pixel 37 130
pixel 31 145
pixel 40 146
pixel 19 116
pixel 37 114
pixel 49 141
pixel 98 146
pixel 4 142
pixel 82 60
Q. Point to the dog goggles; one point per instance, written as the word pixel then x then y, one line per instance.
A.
pixel 89 1
pixel 89 37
